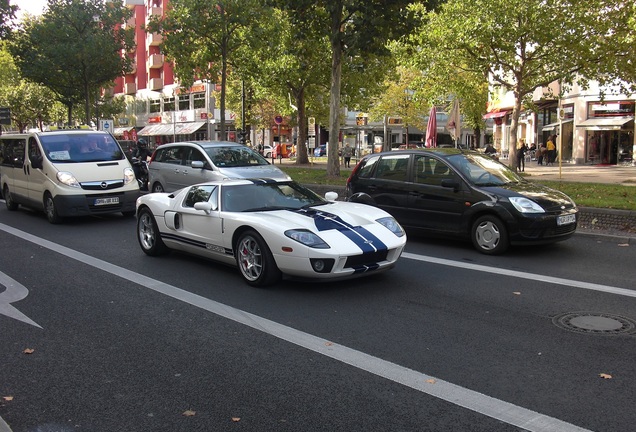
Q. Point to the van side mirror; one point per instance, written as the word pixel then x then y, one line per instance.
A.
pixel 36 162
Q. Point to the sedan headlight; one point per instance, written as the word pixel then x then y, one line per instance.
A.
pixel 307 238
pixel 525 205
pixel 392 225
pixel 67 178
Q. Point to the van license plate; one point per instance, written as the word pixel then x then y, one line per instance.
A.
pixel 566 220
pixel 106 201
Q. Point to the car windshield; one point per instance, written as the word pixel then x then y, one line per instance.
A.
pixel 268 196
pixel 482 170
pixel 85 147
pixel 235 156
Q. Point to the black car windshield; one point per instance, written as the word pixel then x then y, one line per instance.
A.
pixel 235 156
pixel 481 170
pixel 84 147
pixel 268 196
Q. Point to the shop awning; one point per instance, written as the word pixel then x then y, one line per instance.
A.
pixel 496 114
pixel 119 131
pixel 605 123
pixel 148 130
pixel 553 125
pixel 188 128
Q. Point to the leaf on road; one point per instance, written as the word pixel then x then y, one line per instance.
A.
pixel 236 419
pixel 431 381
pixel 623 244
pixel 28 351
pixel 328 343
pixel 7 398
pixel 189 413
pixel 516 292
pixel 605 376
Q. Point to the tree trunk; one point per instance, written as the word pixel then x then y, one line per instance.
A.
pixel 333 160
pixel 222 105
pixel 301 146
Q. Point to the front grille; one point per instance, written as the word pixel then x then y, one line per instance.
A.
pixel 102 185
pixel 366 259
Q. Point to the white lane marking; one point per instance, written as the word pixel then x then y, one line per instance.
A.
pixel 522 275
pixel 14 292
pixel 495 408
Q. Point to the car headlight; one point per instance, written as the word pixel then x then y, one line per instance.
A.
pixel 67 178
pixel 525 205
pixel 392 225
pixel 307 238
pixel 129 175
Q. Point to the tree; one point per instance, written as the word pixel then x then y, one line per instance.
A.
pixel 75 48
pixel 203 40
pixel 31 104
pixel 354 28
pixel 7 14
pixel 524 45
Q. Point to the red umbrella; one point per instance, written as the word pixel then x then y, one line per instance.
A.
pixel 431 128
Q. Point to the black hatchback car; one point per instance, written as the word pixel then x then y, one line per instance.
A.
pixel 465 194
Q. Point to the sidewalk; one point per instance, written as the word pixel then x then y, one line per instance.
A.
pixel 615 174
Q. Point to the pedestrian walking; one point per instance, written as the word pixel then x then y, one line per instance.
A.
pixel 551 148
pixel 346 153
pixel 522 148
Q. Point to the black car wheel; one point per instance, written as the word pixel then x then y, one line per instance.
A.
pixel 157 187
pixel 148 234
pixel 255 260
pixel 11 205
pixel 489 235
pixel 50 209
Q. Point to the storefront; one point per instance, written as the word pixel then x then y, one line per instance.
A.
pixel 609 132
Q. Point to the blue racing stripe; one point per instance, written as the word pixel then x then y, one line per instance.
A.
pixel 324 221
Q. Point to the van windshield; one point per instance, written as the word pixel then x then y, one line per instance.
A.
pixel 84 147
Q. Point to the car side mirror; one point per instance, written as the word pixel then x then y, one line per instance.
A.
pixel 331 196
pixel 451 183
pixel 197 164
pixel 204 206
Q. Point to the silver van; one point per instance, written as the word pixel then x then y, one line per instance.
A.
pixel 66 173
pixel 177 165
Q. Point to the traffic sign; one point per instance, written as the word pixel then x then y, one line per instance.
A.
pixel 5 116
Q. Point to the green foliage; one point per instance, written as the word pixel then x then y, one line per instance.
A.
pixel 523 45
pixel 204 40
pixel 7 14
pixel 74 48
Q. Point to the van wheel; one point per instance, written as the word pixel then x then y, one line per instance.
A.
pixel 50 210
pixel 11 205
pixel 489 235
pixel 157 187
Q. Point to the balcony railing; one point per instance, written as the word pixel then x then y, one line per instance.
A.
pixel 155 84
pixel 155 61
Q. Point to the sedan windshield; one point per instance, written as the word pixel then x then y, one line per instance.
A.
pixel 268 196
pixel 235 156
pixel 482 170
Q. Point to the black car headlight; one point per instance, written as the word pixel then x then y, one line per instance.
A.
pixel 525 205
pixel 307 238
pixel 392 225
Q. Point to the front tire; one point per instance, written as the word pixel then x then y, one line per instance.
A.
pixel 489 235
pixel 255 260
pixel 50 209
pixel 11 205
pixel 157 187
pixel 148 234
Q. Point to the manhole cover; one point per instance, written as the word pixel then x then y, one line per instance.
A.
pixel 595 323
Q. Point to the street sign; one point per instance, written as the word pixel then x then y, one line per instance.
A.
pixel 278 119
pixel 107 125
pixel 5 116
pixel 311 126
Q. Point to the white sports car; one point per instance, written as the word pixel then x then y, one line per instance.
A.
pixel 269 229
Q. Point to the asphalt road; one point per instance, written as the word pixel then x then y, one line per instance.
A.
pixel 96 336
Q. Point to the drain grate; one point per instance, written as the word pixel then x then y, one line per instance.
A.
pixel 595 323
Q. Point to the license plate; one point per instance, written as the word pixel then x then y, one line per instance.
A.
pixel 106 201
pixel 566 220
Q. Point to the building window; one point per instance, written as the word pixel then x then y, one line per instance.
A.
pixel 155 105
pixel 199 100
pixel 184 102
pixel 610 109
pixel 168 104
